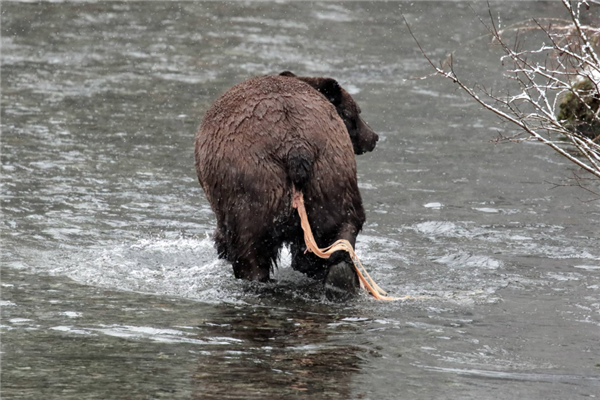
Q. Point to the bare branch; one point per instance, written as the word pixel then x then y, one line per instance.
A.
pixel 545 86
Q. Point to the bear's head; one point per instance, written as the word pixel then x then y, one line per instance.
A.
pixel 362 136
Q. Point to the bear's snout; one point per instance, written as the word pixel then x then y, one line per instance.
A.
pixel 366 137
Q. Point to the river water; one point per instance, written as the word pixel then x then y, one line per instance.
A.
pixel 111 288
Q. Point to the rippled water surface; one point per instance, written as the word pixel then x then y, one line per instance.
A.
pixel 111 287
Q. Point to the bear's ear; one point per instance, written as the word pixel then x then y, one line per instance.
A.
pixel 287 73
pixel 330 89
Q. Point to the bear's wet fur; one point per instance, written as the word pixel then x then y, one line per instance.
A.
pixel 258 141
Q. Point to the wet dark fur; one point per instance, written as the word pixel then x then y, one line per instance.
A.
pixel 256 142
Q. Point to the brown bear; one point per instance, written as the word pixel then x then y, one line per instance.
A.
pixel 258 141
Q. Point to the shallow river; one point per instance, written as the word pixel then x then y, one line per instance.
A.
pixel 111 288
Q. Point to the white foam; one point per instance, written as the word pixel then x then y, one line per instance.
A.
pixel 158 335
pixel 366 186
pixel 71 314
pixel 462 260
pixel 19 321
pixel 487 210
pixel 333 16
pixel 352 89
pixel 588 267
pixel 69 329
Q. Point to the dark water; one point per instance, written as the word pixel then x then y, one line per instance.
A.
pixel 112 290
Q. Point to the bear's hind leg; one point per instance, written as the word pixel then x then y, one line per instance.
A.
pixel 341 282
pixel 221 243
pixel 255 263
pixel 307 263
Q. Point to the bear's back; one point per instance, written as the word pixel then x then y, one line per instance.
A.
pixel 267 109
pixel 242 98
